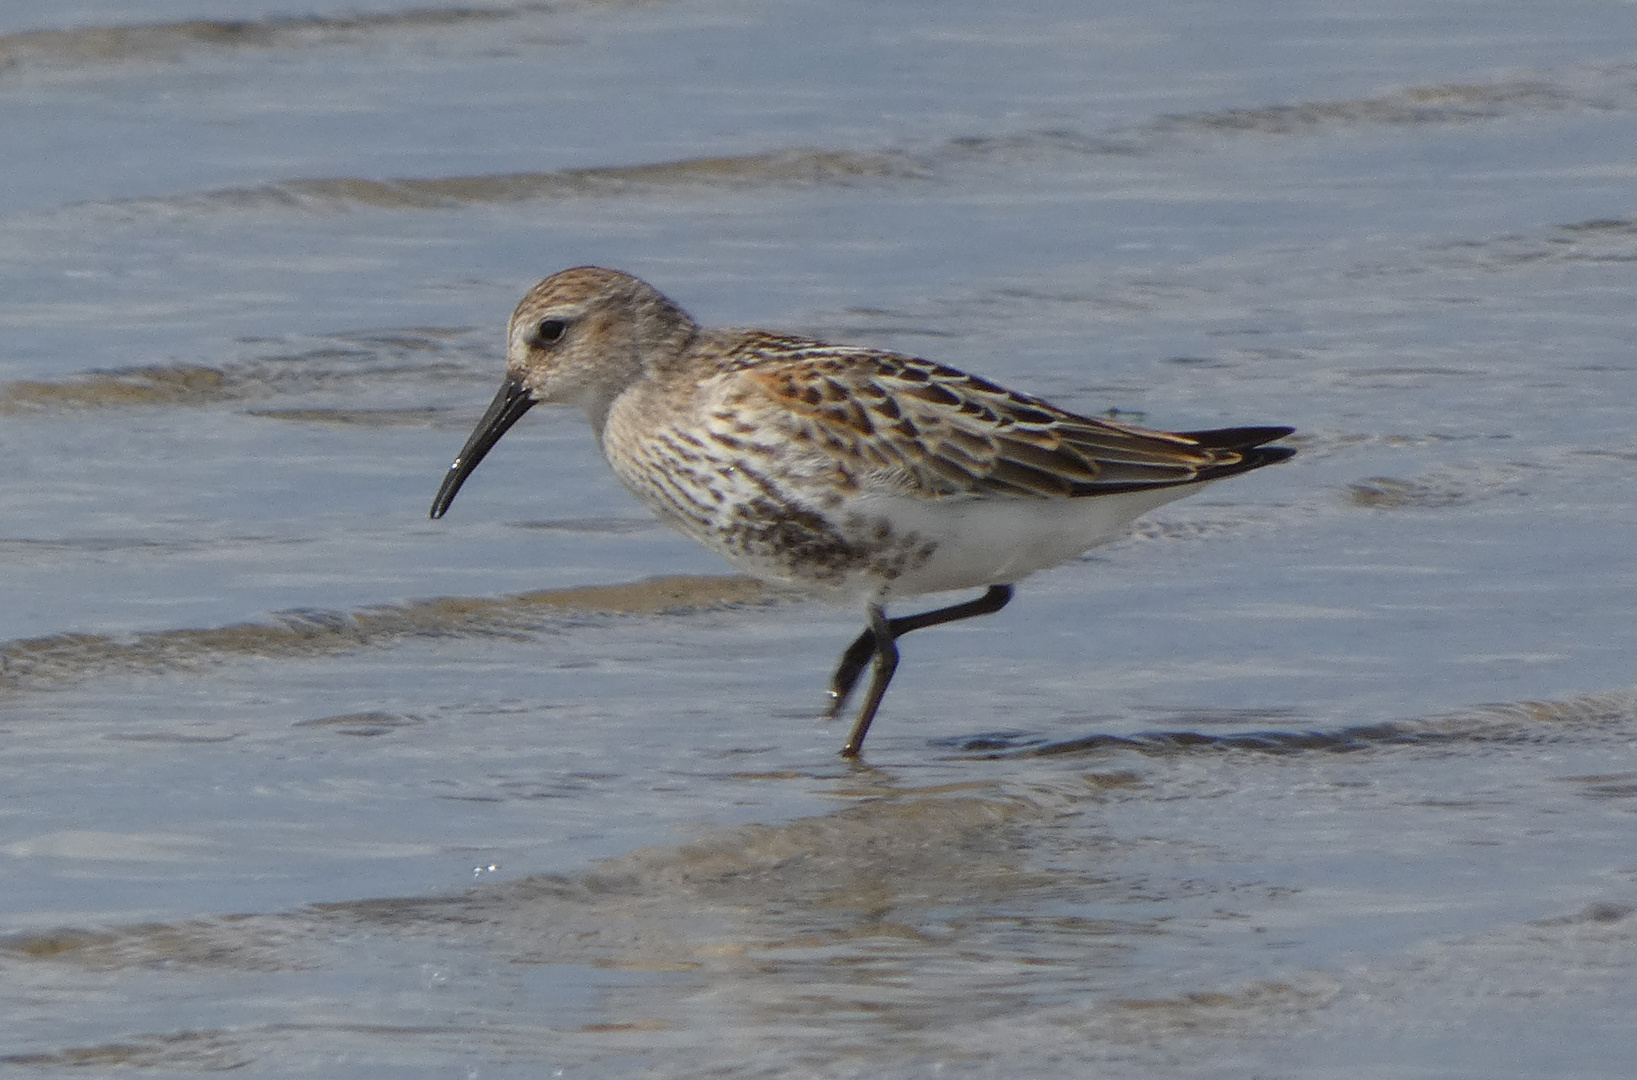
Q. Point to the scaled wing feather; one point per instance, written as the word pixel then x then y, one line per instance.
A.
pixel 915 427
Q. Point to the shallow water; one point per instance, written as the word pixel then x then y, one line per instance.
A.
pixel 1326 771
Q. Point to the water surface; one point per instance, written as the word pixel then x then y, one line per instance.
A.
pixel 1325 771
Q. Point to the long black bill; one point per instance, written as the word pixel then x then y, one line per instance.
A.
pixel 509 404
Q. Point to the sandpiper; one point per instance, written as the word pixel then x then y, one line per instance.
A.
pixel 859 475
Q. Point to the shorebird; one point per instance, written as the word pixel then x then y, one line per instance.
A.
pixel 859 475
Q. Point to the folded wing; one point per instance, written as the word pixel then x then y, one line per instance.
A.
pixel 895 422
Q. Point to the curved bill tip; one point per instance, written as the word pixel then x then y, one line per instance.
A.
pixel 509 404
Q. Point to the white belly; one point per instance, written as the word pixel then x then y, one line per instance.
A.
pixel 968 542
pixel 999 541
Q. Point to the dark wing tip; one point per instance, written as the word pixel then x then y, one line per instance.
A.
pixel 1256 456
pixel 1242 447
pixel 1239 438
pixel 1246 445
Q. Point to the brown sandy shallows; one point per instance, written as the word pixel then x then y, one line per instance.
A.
pixel 99 47
pixel 66 659
pixel 346 366
pixel 1415 106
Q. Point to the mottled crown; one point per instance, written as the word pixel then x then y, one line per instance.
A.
pixel 583 335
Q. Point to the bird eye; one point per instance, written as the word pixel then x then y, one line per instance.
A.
pixel 550 331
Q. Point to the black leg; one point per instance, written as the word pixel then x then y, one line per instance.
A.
pixel 852 662
pixel 848 669
pixel 886 662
